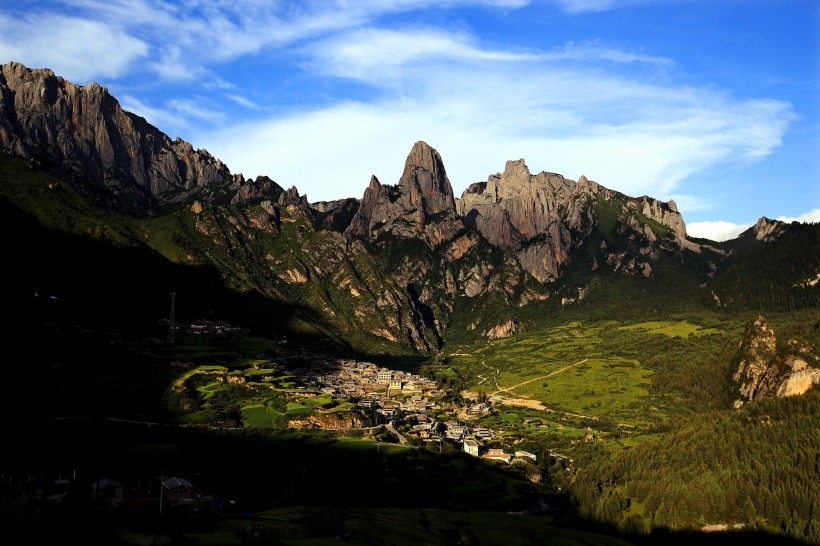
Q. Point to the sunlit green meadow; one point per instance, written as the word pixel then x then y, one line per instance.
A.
pixel 598 371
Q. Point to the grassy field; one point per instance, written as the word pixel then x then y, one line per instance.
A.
pixel 681 328
pixel 597 371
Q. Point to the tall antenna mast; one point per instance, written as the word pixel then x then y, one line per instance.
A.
pixel 172 324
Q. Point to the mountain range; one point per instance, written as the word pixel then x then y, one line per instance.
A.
pixel 402 266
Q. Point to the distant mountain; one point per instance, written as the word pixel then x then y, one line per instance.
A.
pixel 406 267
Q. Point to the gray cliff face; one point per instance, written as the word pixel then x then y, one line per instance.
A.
pixel 421 205
pixel 260 189
pixel 515 207
pixel 335 215
pixel 83 133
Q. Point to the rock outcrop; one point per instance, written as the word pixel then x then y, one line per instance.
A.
pixel 260 189
pixel 505 329
pixel 335 215
pixel 764 370
pixel 766 230
pixel 333 421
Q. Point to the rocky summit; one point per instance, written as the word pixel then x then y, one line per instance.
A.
pixel 421 205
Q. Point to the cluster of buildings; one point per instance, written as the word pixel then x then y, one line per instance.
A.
pixel 364 381
pixel 395 396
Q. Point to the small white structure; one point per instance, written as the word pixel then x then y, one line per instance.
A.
pixel 471 447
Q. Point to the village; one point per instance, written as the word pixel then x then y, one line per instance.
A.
pixel 409 405
pixel 415 403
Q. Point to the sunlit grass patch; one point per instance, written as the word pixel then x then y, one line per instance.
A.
pixel 317 401
pixel 254 372
pixel 257 416
pixel 681 328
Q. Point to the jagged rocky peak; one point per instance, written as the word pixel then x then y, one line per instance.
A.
pixel 531 202
pixel 425 159
pixel 85 137
pixel 665 213
pixel 335 215
pixel 292 201
pixel 539 215
pixel 330 206
pixel 425 181
pixel 766 370
pixel 766 229
pixel 260 189
pixel 420 205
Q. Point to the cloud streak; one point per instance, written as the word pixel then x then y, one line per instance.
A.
pixel 78 48
pixel 642 134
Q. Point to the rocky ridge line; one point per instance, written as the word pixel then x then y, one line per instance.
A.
pixel 83 134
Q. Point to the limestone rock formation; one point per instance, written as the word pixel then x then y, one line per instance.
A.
pixel 505 329
pixel 291 198
pixel 262 188
pixel 763 370
pixel 333 421
pixel 335 215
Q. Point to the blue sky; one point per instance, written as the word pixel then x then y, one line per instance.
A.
pixel 713 104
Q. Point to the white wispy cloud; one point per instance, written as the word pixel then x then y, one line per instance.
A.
pixel 582 6
pixel 242 101
pixel 641 134
pixel 76 48
pixel 813 216
pixel 197 108
pixel 187 37
pixel 598 51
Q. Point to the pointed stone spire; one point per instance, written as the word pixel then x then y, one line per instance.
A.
pixel 421 204
pixel 425 181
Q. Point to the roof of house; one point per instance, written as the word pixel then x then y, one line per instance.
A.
pixel 174 482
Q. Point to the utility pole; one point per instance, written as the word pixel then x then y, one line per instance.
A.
pixel 172 324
